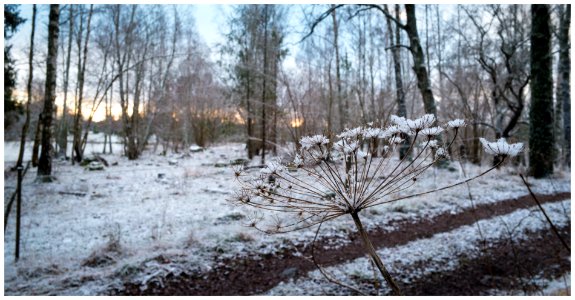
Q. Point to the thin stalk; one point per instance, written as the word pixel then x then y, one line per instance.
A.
pixel 373 254
pixel 545 214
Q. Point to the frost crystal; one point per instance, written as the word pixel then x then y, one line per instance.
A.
pixel 457 123
pixel 441 153
pixel 349 148
pixel 273 167
pixel 369 133
pixel 389 132
pixel 351 133
pixel 433 131
pixel 431 144
pixel 345 147
pixel 421 123
pixel 398 120
pixel 308 142
pixel 501 147
pixel 298 161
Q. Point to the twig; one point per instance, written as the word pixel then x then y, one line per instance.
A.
pixel 545 214
pixel 77 194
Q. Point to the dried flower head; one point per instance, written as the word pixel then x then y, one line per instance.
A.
pixel 431 131
pixel 457 123
pixel 348 177
pixel 441 153
pixel 307 142
pixel 501 147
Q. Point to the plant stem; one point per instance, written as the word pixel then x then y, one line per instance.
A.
pixel 371 250
pixel 546 216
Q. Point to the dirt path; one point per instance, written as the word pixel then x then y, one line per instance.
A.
pixel 250 276
pixel 501 266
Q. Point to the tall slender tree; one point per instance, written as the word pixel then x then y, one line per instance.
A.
pixel 45 162
pixel 28 90
pixel 77 142
pixel 563 98
pixel 63 132
pixel 541 113
pixel 399 91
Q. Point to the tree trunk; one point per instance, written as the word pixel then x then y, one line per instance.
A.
pixel 45 162
pixel 419 67
pixel 264 84
pixel 63 134
pixel 541 113
pixel 563 112
pixel 77 144
pixel 28 90
pixel 399 92
pixel 37 141
pixel 341 106
pixel 250 127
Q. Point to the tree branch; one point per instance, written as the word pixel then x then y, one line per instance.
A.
pixel 322 17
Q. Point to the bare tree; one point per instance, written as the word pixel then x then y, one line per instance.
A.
pixel 399 92
pixel 63 130
pixel 505 65
pixel 28 90
pixel 77 153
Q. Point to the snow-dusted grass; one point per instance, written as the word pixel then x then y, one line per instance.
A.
pixel 182 215
pixel 96 143
pixel 439 252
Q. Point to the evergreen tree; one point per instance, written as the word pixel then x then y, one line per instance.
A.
pixel 541 113
pixel 12 21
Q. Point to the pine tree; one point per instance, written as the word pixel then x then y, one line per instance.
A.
pixel 541 113
pixel 12 21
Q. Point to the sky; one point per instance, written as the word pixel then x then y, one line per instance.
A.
pixel 210 22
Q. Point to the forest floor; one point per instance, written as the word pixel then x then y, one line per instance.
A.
pixel 162 225
pixel 500 265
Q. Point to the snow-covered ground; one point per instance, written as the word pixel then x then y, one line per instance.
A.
pixel 439 252
pixel 90 230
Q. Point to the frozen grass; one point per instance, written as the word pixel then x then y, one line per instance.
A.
pixel 91 229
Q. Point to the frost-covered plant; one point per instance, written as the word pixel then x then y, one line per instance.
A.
pixel 326 182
